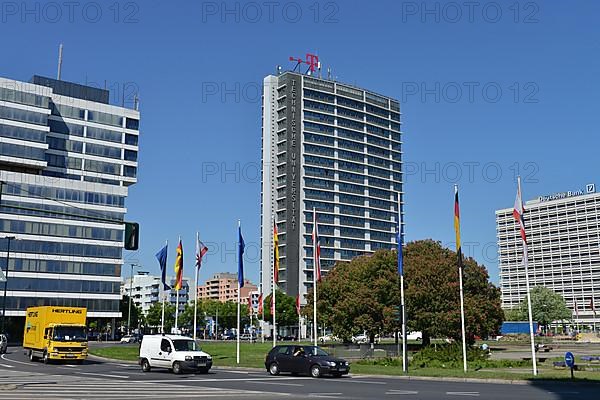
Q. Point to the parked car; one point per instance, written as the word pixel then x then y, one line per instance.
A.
pixel 328 338
pixel 175 352
pixel 248 337
pixel 128 339
pixel 228 336
pixel 310 360
pixel 3 343
pixel 414 336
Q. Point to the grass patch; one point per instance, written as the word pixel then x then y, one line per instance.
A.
pixel 253 355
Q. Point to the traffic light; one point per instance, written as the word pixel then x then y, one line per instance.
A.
pixel 132 235
pixel 398 314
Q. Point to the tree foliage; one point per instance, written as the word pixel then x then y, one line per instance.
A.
pixel 137 317
pixel 433 294
pixel 154 315
pixel 362 295
pixel 285 309
pixel 547 306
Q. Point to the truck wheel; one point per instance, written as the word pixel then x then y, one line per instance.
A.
pixel 176 368
pixel 145 365
pixel 31 356
pixel 46 357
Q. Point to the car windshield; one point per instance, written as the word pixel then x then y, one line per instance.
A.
pixel 69 334
pixel 185 345
pixel 315 351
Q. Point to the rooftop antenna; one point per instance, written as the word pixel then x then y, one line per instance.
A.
pixel 279 70
pixel 136 102
pixel 328 73
pixel 60 50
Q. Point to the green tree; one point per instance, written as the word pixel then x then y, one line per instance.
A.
pixel 358 296
pixel 153 318
pixel 433 294
pixel 285 309
pixel 186 318
pixel 547 306
pixel 137 316
pixel 362 295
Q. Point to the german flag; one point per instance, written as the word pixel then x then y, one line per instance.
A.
pixel 275 253
pixel 179 267
pixel 457 226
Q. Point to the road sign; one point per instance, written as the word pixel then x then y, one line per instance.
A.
pixel 569 359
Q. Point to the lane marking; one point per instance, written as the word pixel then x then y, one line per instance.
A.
pixel 225 380
pixel 475 394
pixel 401 392
pixel 7 366
pixel 355 381
pixel 325 395
pixel 277 383
pixel 103 375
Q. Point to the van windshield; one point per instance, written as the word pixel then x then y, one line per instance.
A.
pixel 185 345
pixel 69 334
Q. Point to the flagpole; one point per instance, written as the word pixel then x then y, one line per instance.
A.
pixel 237 352
pixel 315 327
pixel 273 297
pixel 162 318
pixel 196 283
pixel 460 279
pixel 526 265
pixel 402 302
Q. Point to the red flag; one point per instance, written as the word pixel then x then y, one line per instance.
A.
pixel 201 250
pixel 518 214
pixel 260 304
pixel 250 309
pixel 272 308
pixel 298 304
pixel 275 253
pixel 576 308
pixel 316 249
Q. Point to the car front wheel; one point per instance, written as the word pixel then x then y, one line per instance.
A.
pixel 145 365
pixel 274 369
pixel 176 368
pixel 315 371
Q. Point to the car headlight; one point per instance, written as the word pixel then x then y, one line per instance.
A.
pixel 188 358
pixel 331 363
pixel 209 357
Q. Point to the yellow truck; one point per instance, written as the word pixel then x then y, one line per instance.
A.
pixel 55 333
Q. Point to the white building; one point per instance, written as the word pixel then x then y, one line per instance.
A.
pixel 67 157
pixel 146 291
pixel 563 232
pixel 336 148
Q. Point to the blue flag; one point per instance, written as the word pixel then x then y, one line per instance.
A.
pixel 400 256
pixel 241 258
pixel 161 256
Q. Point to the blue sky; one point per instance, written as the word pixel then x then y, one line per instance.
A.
pixel 485 92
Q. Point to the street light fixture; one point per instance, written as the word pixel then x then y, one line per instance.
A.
pixel 8 239
pixel 133 265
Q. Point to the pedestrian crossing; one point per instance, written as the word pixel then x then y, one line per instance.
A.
pixel 27 385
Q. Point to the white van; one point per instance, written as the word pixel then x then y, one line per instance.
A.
pixel 175 352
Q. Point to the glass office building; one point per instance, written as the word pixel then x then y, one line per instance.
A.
pixel 331 147
pixel 563 233
pixel 67 157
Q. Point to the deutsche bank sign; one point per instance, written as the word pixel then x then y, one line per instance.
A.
pixel 589 189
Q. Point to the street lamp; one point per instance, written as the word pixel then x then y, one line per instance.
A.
pixel 8 239
pixel 133 265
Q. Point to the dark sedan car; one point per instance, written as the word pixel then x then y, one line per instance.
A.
pixel 310 360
